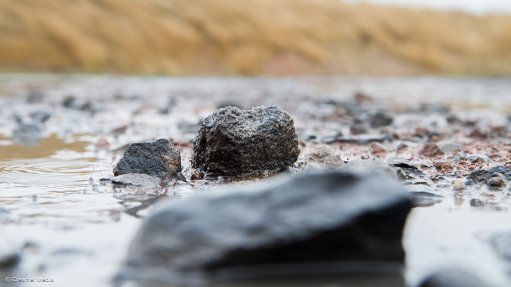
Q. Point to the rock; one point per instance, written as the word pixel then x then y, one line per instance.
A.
pixel 406 170
pixel 137 179
pixel 234 142
pixel 72 102
pixel 40 116
pixel 330 218
pixel 9 256
pixel 159 158
pixel 483 176
pixel 27 134
pixel 458 184
pixel 424 199
pixel 358 129
pixel 380 119
pixel 431 150
pixel 474 202
pixel 378 148
pixel 496 181
pixel 35 96
pixel 443 167
pixel 453 277
pixel 197 175
pixel 323 157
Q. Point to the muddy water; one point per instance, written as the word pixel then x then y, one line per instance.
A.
pixel 73 228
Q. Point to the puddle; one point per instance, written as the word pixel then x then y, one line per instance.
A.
pixel 75 229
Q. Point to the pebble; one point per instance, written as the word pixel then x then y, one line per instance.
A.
pixel 431 150
pixel 378 148
pixel 458 184
pixel 496 181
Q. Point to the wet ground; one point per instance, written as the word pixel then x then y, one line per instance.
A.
pixel 61 135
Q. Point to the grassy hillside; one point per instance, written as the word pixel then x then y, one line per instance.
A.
pixel 248 37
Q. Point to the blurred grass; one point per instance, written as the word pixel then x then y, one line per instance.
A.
pixel 248 37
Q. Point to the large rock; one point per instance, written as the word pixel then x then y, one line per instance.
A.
pixel 159 158
pixel 234 142
pixel 321 222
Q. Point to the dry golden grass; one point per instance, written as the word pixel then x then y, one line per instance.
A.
pixel 248 37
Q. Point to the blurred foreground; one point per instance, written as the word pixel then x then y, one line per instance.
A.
pixel 283 37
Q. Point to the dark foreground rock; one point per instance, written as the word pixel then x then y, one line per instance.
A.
pixel 159 158
pixel 453 277
pixel 322 222
pixel 235 142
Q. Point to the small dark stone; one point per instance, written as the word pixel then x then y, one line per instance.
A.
pixel 40 116
pixel 9 260
pixel 159 158
pixel 358 129
pixel 482 176
pixel 330 218
pixel 453 277
pixel 69 102
pixel 35 97
pixel 380 119
pixel 474 202
pixel 72 102
pixel 407 171
pixel 234 142
pixel 197 175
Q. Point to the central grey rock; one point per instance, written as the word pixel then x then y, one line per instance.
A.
pixel 296 225
pixel 235 142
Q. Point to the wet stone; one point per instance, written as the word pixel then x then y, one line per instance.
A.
pixel 40 116
pixel 159 158
pixel 235 142
pixel 453 277
pixel 431 150
pixel 380 119
pixel 483 176
pixel 406 170
pixel 327 218
pixel 496 181
pixel 474 202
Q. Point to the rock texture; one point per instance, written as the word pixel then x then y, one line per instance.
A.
pixel 453 277
pixel 320 218
pixel 159 158
pixel 483 176
pixel 235 142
